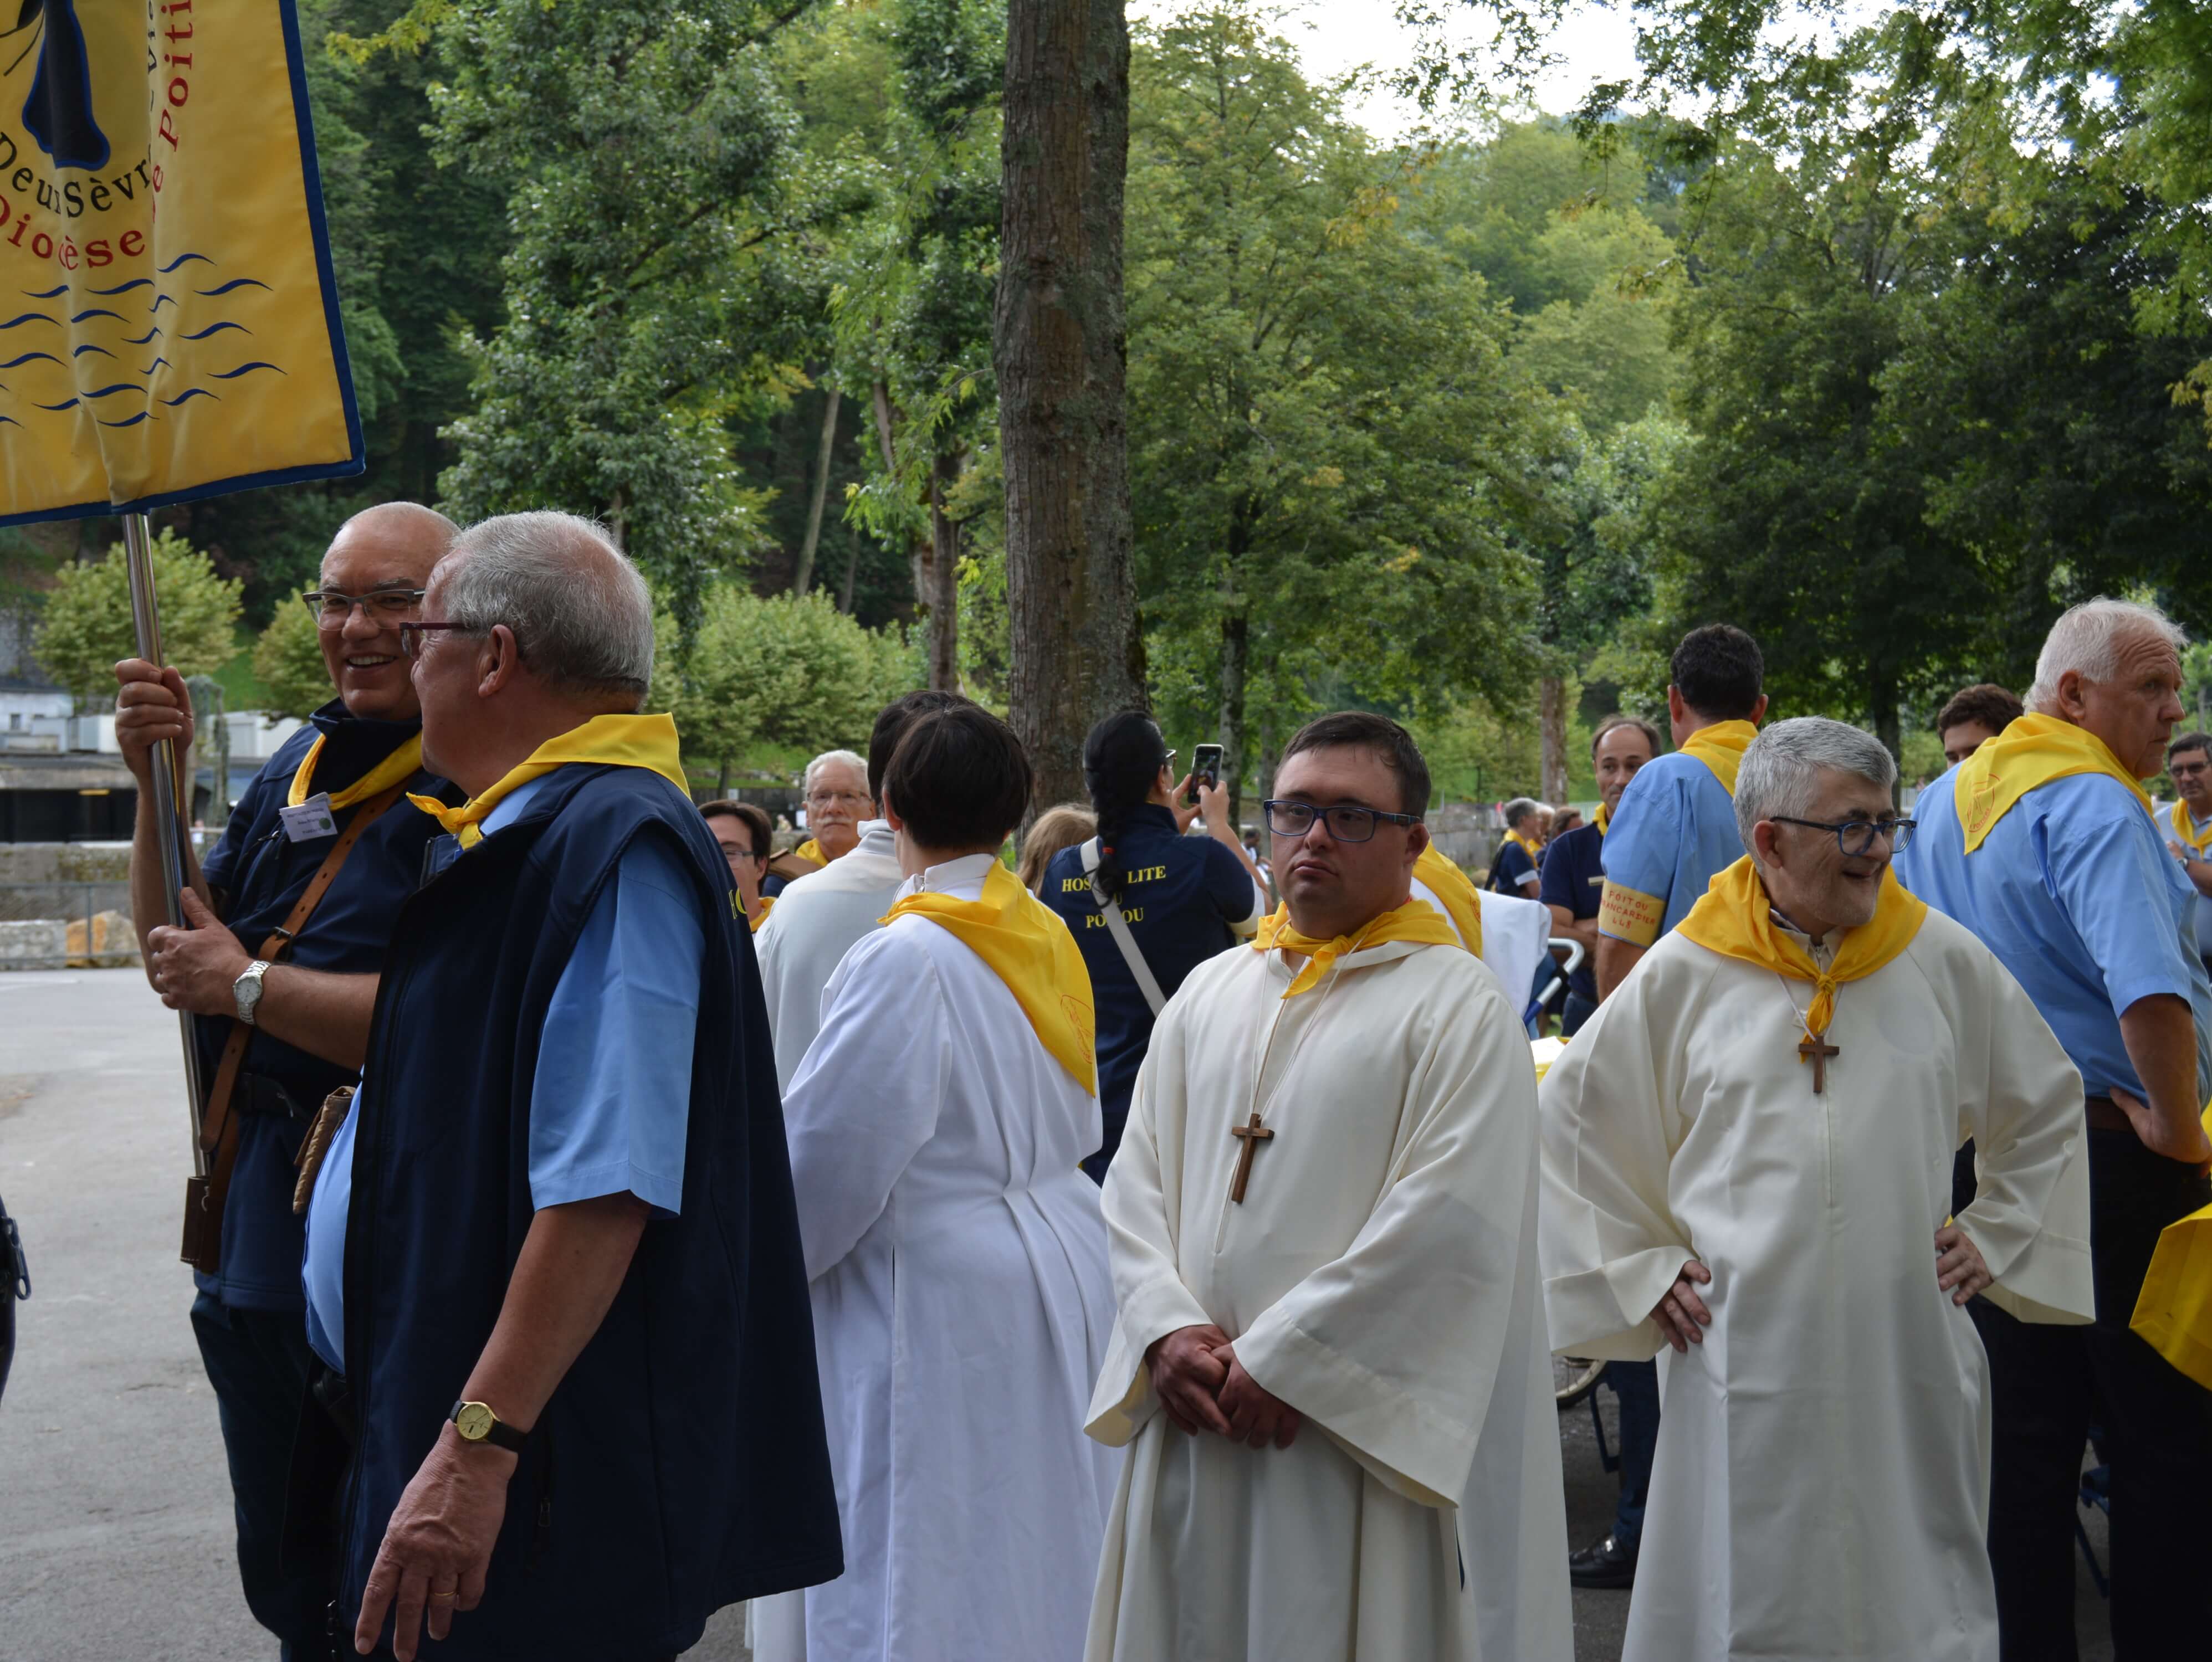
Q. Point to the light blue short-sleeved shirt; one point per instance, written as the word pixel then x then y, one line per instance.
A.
pixel 2075 892
pixel 1674 830
pixel 610 1105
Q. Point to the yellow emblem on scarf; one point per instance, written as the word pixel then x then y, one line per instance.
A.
pixel 1416 920
pixel 1721 748
pixel 1454 890
pixel 1734 917
pixel 1027 947
pixel 404 763
pixel 2032 751
pixel 647 742
pixel 810 852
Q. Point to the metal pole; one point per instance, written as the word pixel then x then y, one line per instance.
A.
pixel 146 621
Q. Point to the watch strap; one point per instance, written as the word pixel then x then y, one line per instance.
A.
pixel 499 1434
pixel 255 972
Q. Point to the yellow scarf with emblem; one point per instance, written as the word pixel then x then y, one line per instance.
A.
pixel 1416 920
pixel 1721 748
pixel 2186 832
pixel 647 742
pixel 1529 846
pixel 755 921
pixel 1455 892
pixel 810 852
pixel 1603 817
pixel 2032 751
pixel 404 763
pixel 1027 947
pixel 1734 917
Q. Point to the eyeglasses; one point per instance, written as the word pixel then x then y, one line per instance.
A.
pixel 410 636
pixel 1346 823
pixel 332 608
pixel 1857 837
pixel 835 799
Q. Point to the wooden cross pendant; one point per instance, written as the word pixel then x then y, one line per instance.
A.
pixel 1819 1051
pixel 1252 1135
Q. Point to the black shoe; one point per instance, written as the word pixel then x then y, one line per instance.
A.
pixel 1608 1564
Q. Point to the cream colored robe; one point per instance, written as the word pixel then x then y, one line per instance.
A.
pixel 1380 1277
pixel 1822 1483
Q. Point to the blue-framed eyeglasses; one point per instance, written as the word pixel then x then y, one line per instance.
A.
pixel 1345 822
pixel 1856 838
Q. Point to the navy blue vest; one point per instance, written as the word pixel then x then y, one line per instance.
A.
pixel 681 1465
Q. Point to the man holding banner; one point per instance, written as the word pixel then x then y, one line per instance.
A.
pixel 286 930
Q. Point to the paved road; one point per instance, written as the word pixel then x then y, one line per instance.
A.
pixel 114 1512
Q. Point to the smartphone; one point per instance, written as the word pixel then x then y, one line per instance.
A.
pixel 1204 769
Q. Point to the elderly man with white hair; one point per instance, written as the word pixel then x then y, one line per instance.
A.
pixel 1747 1156
pixel 839 801
pixel 2042 843
pixel 563 1195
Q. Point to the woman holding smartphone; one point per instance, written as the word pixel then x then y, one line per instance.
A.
pixel 1146 902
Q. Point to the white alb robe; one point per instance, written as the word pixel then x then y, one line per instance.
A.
pixel 1823 1481
pixel 816 919
pixel 962 1306
pixel 1380 1277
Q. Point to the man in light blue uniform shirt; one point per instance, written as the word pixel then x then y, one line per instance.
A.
pixel 607 1111
pixel 2072 886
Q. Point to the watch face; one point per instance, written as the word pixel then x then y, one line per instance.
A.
pixel 474 1422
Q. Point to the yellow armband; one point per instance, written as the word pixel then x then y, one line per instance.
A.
pixel 1628 915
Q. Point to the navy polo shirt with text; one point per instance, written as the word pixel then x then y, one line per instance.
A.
pixel 1574 877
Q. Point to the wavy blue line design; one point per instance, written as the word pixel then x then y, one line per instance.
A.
pixel 217 329
pixel 27 357
pixel 182 258
pixel 236 282
pixel 70 404
pixel 96 312
pixel 104 392
pixel 50 295
pixel 191 392
pixel 141 340
pixel 31 317
pixel 9 420
pixel 123 288
pixel 158 299
pixel 131 420
pixel 154 366
pixel 233 374
pixel 79 351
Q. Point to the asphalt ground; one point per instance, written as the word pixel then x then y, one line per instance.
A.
pixel 115 1521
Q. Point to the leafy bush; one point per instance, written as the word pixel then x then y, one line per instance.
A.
pixel 86 629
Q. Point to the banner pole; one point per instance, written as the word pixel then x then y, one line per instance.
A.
pixel 175 839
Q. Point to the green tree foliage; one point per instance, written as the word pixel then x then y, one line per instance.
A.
pixel 288 660
pixel 788 670
pixel 86 628
pixel 1326 446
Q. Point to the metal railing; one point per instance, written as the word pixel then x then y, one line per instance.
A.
pixel 56 925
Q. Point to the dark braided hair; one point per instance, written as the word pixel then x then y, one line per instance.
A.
pixel 1122 761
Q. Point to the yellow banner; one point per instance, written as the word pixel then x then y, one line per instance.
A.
pixel 168 319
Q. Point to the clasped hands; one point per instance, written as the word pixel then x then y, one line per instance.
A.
pixel 1683 1316
pixel 1204 1387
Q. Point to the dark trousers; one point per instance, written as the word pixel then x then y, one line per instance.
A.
pixel 1579 1010
pixel 2050 1383
pixel 257 1361
pixel 1636 1384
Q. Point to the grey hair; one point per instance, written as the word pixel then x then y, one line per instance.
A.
pixel 857 764
pixel 1782 767
pixel 1519 807
pixel 581 615
pixel 2087 639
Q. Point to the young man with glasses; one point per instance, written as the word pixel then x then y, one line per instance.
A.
pixel 1323 1210
pixel 298 1010
pixel 745 833
pixel 1747 1158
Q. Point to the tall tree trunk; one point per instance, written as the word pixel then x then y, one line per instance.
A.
pixel 1882 703
pixel 1268 740
pixel 944 578
pixel 918 557
pixel 1552 723
pixel 805 574
pixel 852 573
pixel 1060 345
pixel 1235 646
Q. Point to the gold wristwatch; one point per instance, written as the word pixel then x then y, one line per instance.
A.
pixel 477 1424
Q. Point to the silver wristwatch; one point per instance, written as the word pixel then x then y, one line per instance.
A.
pixel 246 990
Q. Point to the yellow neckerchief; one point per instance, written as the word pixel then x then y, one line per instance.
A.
pixel 404 763
pixel 1455 892
pixel 2032 751
pixel 810 852
pixel 1603 817
pixel 647 742
pixel 1721 748
pixel 1027 947
pixel 2185 829
pixel 754 920
pixel 1734 917
pixel 1529 846
pixel 1416 920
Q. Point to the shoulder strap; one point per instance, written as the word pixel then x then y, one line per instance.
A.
pixel 205 1196
pixel 1118 927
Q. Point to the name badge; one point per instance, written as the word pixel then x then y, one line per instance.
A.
pixel 310 819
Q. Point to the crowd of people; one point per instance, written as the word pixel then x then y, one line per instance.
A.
pixel 1111 1260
